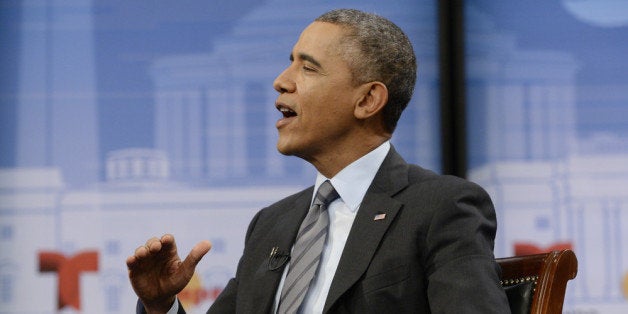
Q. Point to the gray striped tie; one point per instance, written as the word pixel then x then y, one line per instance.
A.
pixel 307 250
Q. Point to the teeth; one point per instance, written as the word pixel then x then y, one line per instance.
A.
pixel 287 112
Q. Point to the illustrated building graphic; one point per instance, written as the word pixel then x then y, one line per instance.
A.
pixel 214 155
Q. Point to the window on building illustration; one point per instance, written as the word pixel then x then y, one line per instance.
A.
pixel 112 298
pixel 6 288
pixel 112 247
pixel 6 232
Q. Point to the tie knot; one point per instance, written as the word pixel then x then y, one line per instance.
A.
pixel 326 194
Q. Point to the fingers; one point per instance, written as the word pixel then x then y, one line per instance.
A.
pixel 199 250
pixel 156 271
pixel 167 245
pixel 155 245
pixel 130 261
pixel 195 256
pixel 152 246
pixel 139 254
pixel 167 239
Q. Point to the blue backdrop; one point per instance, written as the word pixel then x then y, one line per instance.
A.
pixel 548 134
pixel 123 120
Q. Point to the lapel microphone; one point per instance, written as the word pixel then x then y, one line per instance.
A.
pixel 277 258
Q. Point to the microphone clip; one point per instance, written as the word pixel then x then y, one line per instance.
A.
pixel 277 259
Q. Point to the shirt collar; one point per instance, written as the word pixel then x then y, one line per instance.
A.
pixel 352 182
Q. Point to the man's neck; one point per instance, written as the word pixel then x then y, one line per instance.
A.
pixel 332 163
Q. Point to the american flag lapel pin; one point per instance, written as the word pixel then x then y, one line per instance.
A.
pixel 379 217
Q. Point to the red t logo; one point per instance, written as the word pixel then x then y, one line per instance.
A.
pixel 68 270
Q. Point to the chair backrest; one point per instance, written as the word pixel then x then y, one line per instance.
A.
pixel 537 283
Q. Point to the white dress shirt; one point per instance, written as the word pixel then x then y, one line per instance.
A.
pixel 351 183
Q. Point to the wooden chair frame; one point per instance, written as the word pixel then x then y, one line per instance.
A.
pixel 551 272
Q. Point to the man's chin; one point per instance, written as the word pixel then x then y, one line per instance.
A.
pixel 285 153
pixel 284 150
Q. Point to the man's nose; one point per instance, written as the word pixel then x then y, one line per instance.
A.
pixel 284 83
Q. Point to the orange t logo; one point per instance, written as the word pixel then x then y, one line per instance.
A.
pixel 68 270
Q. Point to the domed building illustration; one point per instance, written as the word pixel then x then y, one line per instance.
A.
pixel 214 162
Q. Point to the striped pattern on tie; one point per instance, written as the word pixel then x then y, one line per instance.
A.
pixel 307 250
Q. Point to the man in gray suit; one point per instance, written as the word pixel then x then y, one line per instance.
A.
pixel 397 239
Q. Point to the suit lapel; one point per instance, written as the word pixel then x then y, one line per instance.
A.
pixel 377 211
pixel 281 236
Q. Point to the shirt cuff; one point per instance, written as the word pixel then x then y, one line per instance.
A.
pixel 175 307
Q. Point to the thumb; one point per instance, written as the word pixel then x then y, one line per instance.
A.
pixel 195 256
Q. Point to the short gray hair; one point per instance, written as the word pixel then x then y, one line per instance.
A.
pixel 378 50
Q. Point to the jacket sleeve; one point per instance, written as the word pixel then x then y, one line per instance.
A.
pixel 461 269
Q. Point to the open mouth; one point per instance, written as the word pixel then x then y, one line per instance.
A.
pixel 286 112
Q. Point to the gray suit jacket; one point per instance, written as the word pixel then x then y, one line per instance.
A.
pixel 433 251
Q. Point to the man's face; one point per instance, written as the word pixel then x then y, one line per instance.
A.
pixel 316 95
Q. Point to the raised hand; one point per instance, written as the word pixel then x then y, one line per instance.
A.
pixel 157 273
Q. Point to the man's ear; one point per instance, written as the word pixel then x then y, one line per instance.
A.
pixel 374 98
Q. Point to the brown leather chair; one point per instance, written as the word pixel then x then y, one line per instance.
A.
pixel 537 283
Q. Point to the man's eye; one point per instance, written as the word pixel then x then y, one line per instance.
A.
pixel 308 69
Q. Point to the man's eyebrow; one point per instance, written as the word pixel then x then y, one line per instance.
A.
pixel 308 58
